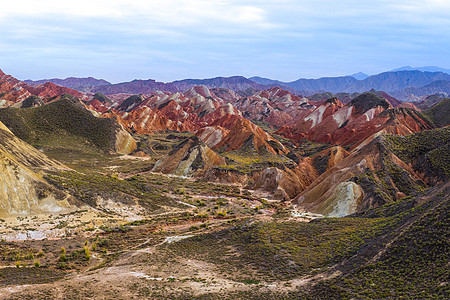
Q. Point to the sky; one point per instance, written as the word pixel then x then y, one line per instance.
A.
pixel 166 40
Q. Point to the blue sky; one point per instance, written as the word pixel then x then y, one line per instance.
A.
pixel 120 40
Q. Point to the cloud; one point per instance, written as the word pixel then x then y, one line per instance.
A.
pixel 171 13
pixel 179 38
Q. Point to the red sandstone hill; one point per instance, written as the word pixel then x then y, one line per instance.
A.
pixel 241 133
pixel 274 106
pixel 192 110
pixel 384 170
pixel 13 90
pixel 50 90
pixel 365 116
pixel 217 122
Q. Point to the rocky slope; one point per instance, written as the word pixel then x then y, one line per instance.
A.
pixel 240 133
pixel 23 191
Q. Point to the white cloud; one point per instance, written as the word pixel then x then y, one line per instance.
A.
pixel 49 7
pixel 218 35
pixel 165 12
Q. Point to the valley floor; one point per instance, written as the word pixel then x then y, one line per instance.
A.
pixel 144 235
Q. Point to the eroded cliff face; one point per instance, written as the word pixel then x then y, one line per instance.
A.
pixel 124 144
pixel 23 191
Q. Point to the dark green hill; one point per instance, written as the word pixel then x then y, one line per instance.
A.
pixel 63 124
pixel 32 101
pixel 102 98
pixel 427 151
pixel 366 101
pixel 439 113
pixel 130 103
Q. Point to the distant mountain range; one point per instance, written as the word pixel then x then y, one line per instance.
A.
pixel 236 83
pixel 404 83
pixel 435 87
pixel 71 82
pixel 423 69
pixel 387 81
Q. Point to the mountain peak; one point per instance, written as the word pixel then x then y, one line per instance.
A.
pixel 359 75
pixel 333 100
pixel 201 90
pixel 367 101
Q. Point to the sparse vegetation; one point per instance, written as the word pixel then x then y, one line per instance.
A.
pixel 185 238
pixel 426 151
pixel 63 124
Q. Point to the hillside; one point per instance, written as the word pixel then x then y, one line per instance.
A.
pixel 426 151
pixel 379 173
pixel 411 249
pixel 23 190
pixel 397 250
pixel 439 113
pixel 66 124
